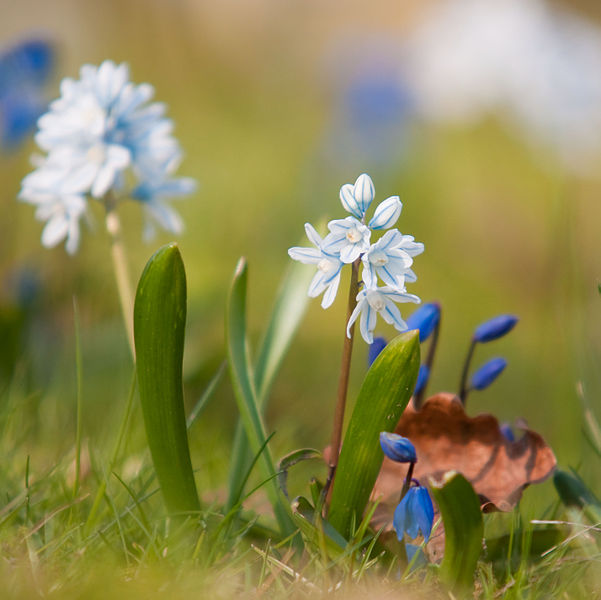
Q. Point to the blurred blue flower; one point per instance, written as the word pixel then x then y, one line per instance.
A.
pixel 100 135
pixel 412 550
pixel 397 448
pixel 425 318
pixel 414 514
pixel 24 71
pixel 495 328
pixel 507 432
pixel 374 350
pixel 371 301
pixel 487 373
pixel 328 265
pixel 357 198
pixel 422 378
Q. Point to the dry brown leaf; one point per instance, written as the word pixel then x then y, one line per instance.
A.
pixel 447 439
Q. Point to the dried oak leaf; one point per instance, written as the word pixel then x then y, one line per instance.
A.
pixel 447 439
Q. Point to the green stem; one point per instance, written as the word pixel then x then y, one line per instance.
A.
pixel 408 479
pixel 119 256
pixel 113 460
pixel 345 369
pixel 78 399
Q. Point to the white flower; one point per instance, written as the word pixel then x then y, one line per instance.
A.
pixel 390 258
pixel 357 198
pixel 329 266
pixel 102 135
pixel 374 300
pixel 348 237
pixel 386 214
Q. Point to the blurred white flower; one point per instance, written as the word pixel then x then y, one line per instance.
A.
pixel 101 135
pixel 536 64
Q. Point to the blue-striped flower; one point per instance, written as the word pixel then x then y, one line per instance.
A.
pixel 390 258
pixel 371 301
pixel 328 265
pixel 357 198
pixel 349 239
pixel 103 136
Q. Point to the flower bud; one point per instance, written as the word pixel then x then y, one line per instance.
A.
pixel 374 350
pixel 425 318
pixel 386 214
pixel 364 191
pixel 349 203
pixel 507 432
pixel 495 328
pixel 487 373
pixel 397 447
pixel 414 514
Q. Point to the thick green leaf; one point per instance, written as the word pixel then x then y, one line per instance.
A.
pixel 459 507
pixel 290 306
pixel 245 393
pixel 159 322
pixel 382 399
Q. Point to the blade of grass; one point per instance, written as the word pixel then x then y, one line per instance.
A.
pixel 245 393
pixel 290 306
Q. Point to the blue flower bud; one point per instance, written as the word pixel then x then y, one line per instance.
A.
pixel 374 350
pixel 425 318
pixel 495 328
pixel 386 214
pixel 414 514
pixel 397 447
pixel 507 432
pixel 487 373
pixel 422 379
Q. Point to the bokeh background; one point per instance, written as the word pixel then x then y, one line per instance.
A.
pixel 483 115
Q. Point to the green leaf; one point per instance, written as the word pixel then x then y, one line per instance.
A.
pixel 288 311
pixel 382 399
pixel 321 535
pixel 159 322
pixel 245 393
pixel 290 460
pixel 459 507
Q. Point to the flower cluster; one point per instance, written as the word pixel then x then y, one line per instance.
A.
pixel 388 260
pixel 105 140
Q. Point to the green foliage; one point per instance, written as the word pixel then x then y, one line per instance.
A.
pixel 246 395
pixel 464 529
pixel 159 322
pixel 382 399
pixel 290 306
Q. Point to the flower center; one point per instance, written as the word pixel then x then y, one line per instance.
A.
pixel 375 300
pixel 378 258
pixel 354 235
pixel 324 265
pixel 96 154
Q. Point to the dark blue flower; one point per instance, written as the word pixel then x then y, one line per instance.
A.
pixel 425 318
pixel 397 447
pixel 414 514
pixel 24 71
pixel 374 350
pixel 487 373
pixel 495 328
pixel 507 432
pixel 422 379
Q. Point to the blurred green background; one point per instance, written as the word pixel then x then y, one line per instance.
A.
pixel 256 92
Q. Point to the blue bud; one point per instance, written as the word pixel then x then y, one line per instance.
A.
pixel 374 350
pixel 414 514
pixel 495 328
pixel 425 318
pixel 422 379
pixel 397 447
pixel 507 432
pixel 487 373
